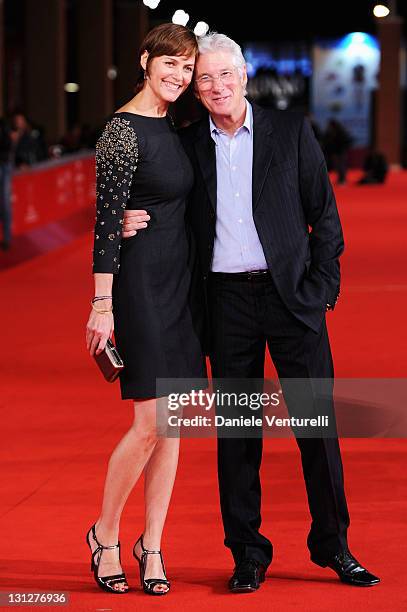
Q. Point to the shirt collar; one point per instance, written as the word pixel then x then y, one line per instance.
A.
pixel 247 124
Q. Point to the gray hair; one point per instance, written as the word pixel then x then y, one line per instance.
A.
pixel 213 41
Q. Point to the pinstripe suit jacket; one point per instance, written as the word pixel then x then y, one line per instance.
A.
pixel 294 209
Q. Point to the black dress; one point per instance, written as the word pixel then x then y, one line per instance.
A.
pixel 140 164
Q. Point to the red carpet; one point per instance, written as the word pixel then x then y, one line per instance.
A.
pixel 60 423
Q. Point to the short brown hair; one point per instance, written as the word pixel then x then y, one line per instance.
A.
pixel 167 39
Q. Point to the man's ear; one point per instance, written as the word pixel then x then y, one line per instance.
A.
pixel 244 75
pixel 143 60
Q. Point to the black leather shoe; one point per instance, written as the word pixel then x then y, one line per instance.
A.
pixel 348 569
pixel 247 576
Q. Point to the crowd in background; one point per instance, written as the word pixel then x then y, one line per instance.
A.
pixel 22 145
pixel 336 143
pixel 23 142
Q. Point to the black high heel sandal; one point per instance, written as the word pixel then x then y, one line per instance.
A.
pixel 104 582
pixel 149 583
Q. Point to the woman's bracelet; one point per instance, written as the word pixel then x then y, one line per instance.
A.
pixel 101 297
pixel 101 311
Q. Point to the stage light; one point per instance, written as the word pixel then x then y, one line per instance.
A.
pixel 152 4
pixel 71 87
pixel 380 11
pixel 358 43
pixel 201 28
pixel 180 17
pixel 112 73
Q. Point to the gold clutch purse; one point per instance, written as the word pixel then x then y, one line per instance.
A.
pixel 110 362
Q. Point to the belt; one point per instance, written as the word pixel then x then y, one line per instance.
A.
pixel 253 275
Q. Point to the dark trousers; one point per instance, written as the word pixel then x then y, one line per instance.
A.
pixel 245 314
pixel 340 163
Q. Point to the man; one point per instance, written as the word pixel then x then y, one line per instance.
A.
pixel 336 143
pixel 260 184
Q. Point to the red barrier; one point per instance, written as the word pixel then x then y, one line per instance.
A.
pixel 52 190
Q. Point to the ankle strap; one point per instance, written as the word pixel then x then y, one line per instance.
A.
pixel 101 545
pixel 151 552
pixel 145 550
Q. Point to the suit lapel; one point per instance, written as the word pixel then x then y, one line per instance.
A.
pixel 263 151
pixel 205 151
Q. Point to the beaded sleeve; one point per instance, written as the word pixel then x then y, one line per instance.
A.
pixel 116 161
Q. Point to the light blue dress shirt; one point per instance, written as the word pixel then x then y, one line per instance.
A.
pixel 237 246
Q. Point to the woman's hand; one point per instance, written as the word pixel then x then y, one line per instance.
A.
pixel 99 328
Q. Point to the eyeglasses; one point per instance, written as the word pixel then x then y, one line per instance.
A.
pixel 206 82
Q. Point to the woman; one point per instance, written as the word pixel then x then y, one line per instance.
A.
pixel 140 163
